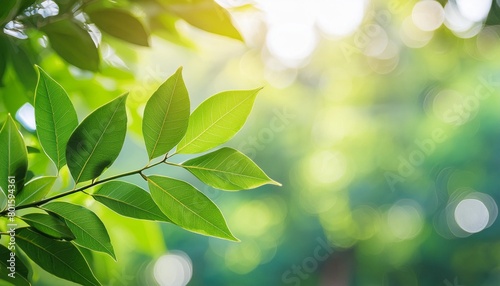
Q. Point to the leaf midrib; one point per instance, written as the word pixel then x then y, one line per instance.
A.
pixel 33 193
pixel 53 124
pixel 62 261
pixel 127 204
pixel 165 191
pixel 76 225
pixel 43 224
pixel 165 117
pixel 221 171
pixel 97 143
pixel 96 240
pixel 215 122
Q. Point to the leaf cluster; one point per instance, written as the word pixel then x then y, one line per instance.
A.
pixel 55 231
pixel 77 30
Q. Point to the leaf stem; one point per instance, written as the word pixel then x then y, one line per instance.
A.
pixel 173 164
pixel 81 189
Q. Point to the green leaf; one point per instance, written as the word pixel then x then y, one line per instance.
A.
pixel 35 190
pixel 188 208
pixel 206 15
pixel 85 225
pixel 13 156
pixel 97 141
pixel 217 120
pixel 129 200
pixel 166 116
pixel 73 44
pixel 164 26
pixel 32 150
pixel 60 258
pixel 25 4
pixel 8 10
pixel 4 57
pixel 228 169
pixel 55 117
pixel 49 225
pixel 120 24
pixel 23 61
pixel 21 271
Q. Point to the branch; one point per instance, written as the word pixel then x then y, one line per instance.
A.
pixel 93 184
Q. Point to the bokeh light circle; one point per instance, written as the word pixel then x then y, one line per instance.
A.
pixel 173 269
pixel 428 15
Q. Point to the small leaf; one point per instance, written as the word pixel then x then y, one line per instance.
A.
pixel 120 24
pixel 13 156
pixel 49 225
pixel 97 141
pixel 35 190
pixel 188 208
pixel 73 44
pixel 85 225
pixel 228 169
pixel 129 200
pixel 166 116
pixel 206 15
pixel 55 118
pixel 217 120
pixel 60 258
pixel 21 271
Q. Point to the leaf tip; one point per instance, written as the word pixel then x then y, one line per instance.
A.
pixel 273 182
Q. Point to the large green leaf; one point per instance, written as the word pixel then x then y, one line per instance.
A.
pixel 166 116
pixel 97 141
pixel 21 271
pixel 60 258
pixel 217 120
pixel 85 225
pixel 4 57
pixel 13 156
pixel 23 60
pixel 35 190
pixel 228 169
pixel 48 225
pixel 129 200
pixel 55 117
pixel 206 15
pixel 188 207
pixel 73 43
pixel 8 10
pixel 121 24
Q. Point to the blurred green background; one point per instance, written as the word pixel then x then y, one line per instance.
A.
pixel 380 119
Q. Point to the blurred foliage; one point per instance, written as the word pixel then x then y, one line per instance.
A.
pixel 84 34
pixel 378 147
